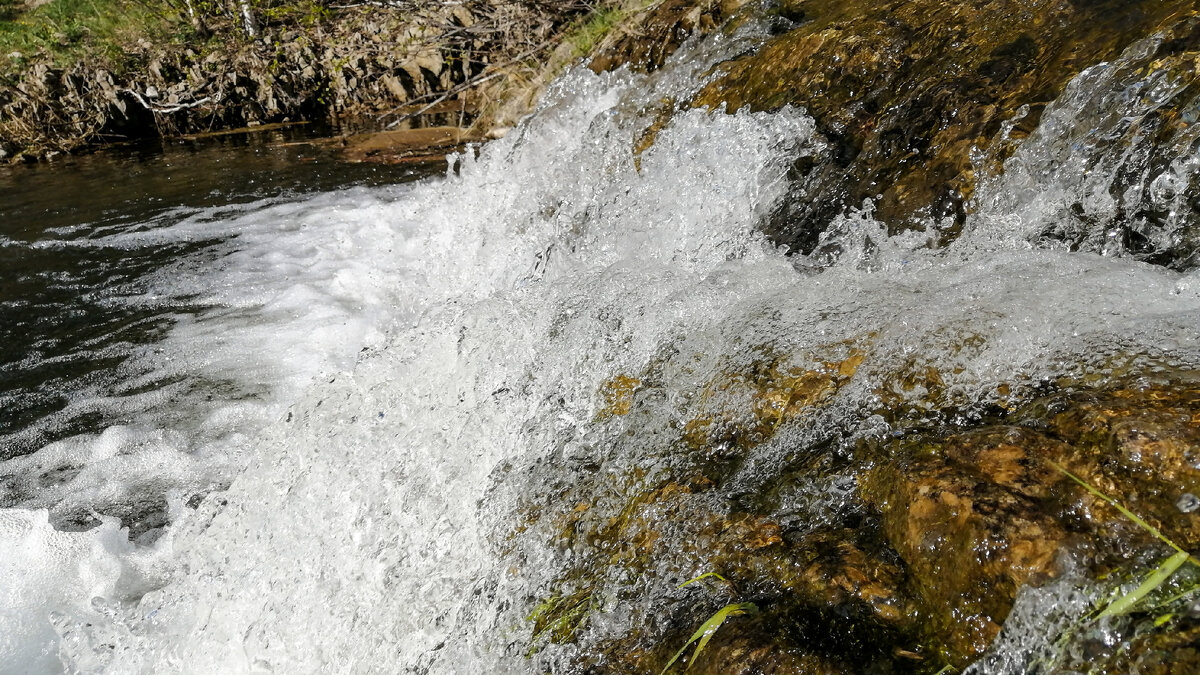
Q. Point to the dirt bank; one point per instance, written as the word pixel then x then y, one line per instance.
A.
pixel 373 62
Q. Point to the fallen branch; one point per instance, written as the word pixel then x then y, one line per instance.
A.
pixel 161 110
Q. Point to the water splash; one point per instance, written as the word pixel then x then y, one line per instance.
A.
pixel 1113 164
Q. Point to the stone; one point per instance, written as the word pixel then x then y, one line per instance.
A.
pixel 645 42
pixel 908 92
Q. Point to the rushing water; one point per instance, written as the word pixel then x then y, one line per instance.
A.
pixel 385 377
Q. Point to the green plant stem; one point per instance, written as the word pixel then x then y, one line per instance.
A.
pixel 1124 511
pixel 1156 578
pixel 706 630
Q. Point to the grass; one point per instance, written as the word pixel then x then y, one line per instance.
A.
pixel 706 575
pixel 1123 603
pixel 1126 602
pixel 706 630
pixel 67 30
pixel 105 30
pixel 593 29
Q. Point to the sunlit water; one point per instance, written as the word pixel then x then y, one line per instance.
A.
pixel 396 367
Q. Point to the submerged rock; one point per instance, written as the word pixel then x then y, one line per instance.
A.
pixel 967 543
pixel 917 570
pixel 977 515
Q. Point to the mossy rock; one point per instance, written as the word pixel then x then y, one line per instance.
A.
pixel 744 406
pixel 975 515
pixel 919 567
pixel 967 543
pixel 909 92
pixel 648 37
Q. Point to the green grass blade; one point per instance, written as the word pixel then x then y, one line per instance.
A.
pixel 1179 596
pixel 705 631
pixel 1124 511
pixel 700 647
pixel 703 576
pixel 1156 578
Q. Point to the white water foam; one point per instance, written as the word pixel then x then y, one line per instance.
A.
pixel 361 534
pixel 293 291
pixel 1105 171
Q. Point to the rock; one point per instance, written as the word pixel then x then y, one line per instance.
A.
pixel 406 145
pixel 646 41
pixel 967 544
pixel 918 568
pixel 908 91
pixel 1176 652
pixel 976 515
pixel 776 392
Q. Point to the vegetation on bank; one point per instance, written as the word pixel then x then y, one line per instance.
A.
pixel 63 32
pixel 74 73
pixel 68 29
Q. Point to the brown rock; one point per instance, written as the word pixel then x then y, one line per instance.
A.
pixel 967 543
pixel 646 41
pixel 906 89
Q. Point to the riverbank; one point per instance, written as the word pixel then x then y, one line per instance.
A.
pixel 476 66
pixel 364 65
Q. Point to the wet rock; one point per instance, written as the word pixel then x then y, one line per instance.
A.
pixel 978 514
pixel 745 407
pixel 918 571
pixel 1134 198
pixel 1174 652
pixel 908 91
pixel 967 543
pixel 405 145
pixel 618 396
pixel 1139 445
pixel 745 649
pixel 646 41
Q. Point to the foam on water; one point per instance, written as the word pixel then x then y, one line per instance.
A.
pixel 363 530
pixel 285 292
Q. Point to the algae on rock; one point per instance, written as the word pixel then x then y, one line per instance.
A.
pixel 913 96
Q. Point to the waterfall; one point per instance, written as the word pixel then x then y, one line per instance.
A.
pixel 440 372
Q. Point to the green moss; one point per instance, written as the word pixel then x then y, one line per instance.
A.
pixel 558 618
pixel 594 28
